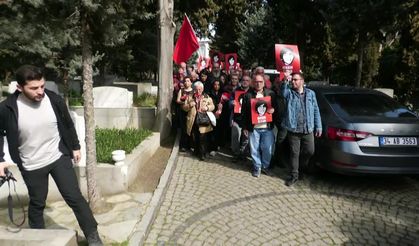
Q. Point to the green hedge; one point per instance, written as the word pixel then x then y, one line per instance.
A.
pixel 145 100
pixel 108 140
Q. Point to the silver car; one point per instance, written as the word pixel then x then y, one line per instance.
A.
pixel 365 131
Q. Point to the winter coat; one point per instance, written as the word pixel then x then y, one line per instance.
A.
pixel 192 112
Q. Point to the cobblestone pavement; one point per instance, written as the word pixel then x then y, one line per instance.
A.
pixel 217 202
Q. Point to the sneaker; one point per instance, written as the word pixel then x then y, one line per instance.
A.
pixel 291 181
pixel 93 239
pixel 213 153
pixel 256 172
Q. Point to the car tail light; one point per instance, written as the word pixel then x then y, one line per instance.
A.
pixel 346 135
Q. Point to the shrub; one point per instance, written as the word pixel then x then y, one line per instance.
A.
pixel 75 98
pixel 145 100
pixel 108 140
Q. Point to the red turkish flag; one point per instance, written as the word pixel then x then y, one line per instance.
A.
pixel 187 42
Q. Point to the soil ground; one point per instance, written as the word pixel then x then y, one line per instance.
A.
pixel 149 175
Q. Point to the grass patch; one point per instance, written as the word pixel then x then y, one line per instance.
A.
pixel 145 100
pixel 108 140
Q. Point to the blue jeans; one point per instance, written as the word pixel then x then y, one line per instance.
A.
pixel 261 145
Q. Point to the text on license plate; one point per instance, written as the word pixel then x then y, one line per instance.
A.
pixel 399 141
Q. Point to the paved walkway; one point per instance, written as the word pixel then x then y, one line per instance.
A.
pixel 219 203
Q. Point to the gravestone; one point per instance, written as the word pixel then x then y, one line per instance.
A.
pixel 144 88
pixel 113 107
pixel 154 90
pixel 112 97
pixel 81 134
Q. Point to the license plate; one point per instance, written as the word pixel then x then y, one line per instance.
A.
pixel 398 141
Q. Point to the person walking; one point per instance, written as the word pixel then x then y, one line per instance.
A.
pixel 198 103
pixel 303 123
pixel 261 136
pixel 216 134
pixel 42 146
pixel 239 141
pixel 185 142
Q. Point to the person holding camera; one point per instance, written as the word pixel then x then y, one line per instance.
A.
pixel 42 141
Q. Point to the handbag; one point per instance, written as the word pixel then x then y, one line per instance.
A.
pixel 202 119
pixel 212 118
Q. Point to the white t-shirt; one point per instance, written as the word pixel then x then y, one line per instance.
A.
pixel 38 133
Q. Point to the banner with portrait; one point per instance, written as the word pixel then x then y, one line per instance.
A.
pixel 259 107
pixel 216 57
pixel 287 59
pixel 203 63
pixel 230 61
pixel 238 99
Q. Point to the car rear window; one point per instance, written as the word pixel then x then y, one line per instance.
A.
pixel 361 104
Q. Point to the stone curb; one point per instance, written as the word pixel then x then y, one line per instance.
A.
pixel 143 227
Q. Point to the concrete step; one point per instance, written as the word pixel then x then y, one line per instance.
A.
pixel 38 237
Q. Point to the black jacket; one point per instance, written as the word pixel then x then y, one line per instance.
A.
pixel 9 128
pixel 246 108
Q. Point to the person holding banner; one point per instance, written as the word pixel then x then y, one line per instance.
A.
pixel 259 115
pixel 239 141
pixel 303 123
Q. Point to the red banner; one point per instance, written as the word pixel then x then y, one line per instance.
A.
pixel 287 59
pixel 238 98
pixel 259 108
pixel 187 42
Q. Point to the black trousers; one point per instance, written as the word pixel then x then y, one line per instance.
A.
pixel 185 139
pixel 281 154
pixel 301 149
pixel 65 178
pixel 200 142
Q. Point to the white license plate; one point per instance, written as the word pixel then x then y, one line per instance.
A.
pixel 398 141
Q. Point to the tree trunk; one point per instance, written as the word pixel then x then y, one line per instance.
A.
pixel 361 48
pixel 66 86
pixel 93 190
pixel 167 28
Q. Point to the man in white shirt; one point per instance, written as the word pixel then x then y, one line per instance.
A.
pixel 42 141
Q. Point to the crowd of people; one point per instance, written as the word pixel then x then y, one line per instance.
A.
pixel 205 109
